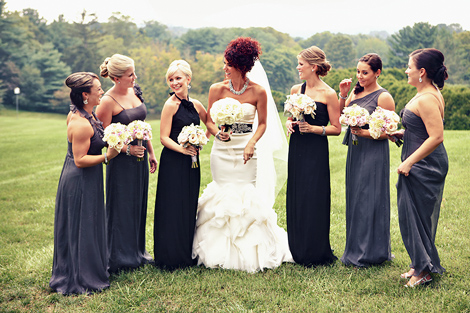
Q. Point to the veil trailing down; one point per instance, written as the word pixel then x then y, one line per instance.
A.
pixel 272 148
pixel 236 225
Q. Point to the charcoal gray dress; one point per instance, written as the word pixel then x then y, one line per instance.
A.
pixel 127 183
pixel 367 196
pixel 419 197
pixel 79 264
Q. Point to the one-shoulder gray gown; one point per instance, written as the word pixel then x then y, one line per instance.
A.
pixel 367 196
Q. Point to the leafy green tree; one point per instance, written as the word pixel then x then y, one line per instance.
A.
pixel 319 39
pixel 340 51
pixel 408 39
pixel 280 66
pixel 120 26
pixel 373 45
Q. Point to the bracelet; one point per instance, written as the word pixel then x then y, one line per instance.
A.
pixel 217 135
pixel 341 97
pixel 128 151
pixel 324 131
pixel 105 159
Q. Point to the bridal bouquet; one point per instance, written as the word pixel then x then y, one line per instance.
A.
pixel 226 112
pixel 297 105
pixel 354 116
pixel 117 135
pixel 140 130
pixel 193 135
pixel 384 121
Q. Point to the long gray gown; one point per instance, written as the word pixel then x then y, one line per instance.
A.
pixel 419 197
pixel 367 196
pixel 127 183
pixel 79 264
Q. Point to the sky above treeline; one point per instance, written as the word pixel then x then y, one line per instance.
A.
pixel 296 18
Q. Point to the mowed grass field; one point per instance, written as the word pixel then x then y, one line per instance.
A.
pixel 32 152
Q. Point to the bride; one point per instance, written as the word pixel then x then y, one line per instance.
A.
pixel 236 226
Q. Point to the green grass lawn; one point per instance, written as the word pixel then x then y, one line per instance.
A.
pixel 31 156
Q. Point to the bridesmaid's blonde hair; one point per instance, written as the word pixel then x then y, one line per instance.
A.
pixel 178 65
pixel 316 56
pixel 115 66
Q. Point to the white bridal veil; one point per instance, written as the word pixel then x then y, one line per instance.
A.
pixel 272 148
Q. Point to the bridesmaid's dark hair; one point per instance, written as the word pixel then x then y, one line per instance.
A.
pixel 78 83
pixel 375 63
pixel 432 60
pixel 241 53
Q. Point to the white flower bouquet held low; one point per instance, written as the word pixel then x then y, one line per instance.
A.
pixel 354 115
pixel 226 112
pixel 116 135
pixel 140 130
pixel 384 121
pixel 193 135
pixel 298 105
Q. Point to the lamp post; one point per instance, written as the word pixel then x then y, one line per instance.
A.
pixel 17 92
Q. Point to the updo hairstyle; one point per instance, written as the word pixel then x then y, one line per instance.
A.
pixel 115 66
pixel 432 60
pixel 375 63
pixel 316 56
pixel 241 53
pixel 78 83
pixel 178 65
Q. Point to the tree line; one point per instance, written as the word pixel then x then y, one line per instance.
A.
pixel 37 56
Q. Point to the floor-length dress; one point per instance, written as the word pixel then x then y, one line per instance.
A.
pixel 176 201
pixel 235 228
pixel 79 264
pixel 419 197
pixel 367 196
pixel 127 181
pixel 308 193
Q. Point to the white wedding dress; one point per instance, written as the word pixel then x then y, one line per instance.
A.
pixel 236 227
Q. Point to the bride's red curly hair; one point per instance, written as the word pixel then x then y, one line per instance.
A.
pixel 241 53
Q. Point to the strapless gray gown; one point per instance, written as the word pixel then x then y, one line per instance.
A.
pixel 419 197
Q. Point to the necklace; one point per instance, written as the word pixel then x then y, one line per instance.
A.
pixel 242 90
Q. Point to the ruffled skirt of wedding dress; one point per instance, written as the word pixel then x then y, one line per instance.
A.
pixel 236 230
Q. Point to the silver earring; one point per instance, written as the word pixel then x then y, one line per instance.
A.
pixel 420 80
pixel 189 86
pixel 377 77
pixel 85 101
pixel 119 82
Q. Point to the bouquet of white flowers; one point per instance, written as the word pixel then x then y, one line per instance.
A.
pixel 297 105
pixel 354 116
pixel 226 112
pixel 384 121
pixel 193 135
pixel 140 130
pixel 117 135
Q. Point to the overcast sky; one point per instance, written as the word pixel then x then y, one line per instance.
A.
pixel 297 18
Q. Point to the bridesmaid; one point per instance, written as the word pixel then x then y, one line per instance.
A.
pixel 308 183
pixel 367 172
pixel 79 264
pixel 178 183
pixel 126 178
pixel 424 165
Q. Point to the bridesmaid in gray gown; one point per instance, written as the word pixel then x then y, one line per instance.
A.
pixel 127 179
pixel 424 165
pixel 367 172
pixel 79 264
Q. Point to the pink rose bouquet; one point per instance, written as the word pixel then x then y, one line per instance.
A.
pixel 354 116
pixel 193 135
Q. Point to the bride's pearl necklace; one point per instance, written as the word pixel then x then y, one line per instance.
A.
pixel 242 90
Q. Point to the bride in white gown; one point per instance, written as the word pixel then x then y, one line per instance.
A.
pixel 236 226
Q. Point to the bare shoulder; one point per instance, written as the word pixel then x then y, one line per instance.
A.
pixel 295 89
pixel 77 124
pixel 197 103
pixel 258 89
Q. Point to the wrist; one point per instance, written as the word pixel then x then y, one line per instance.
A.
pixel 128 150
pixel 341 96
